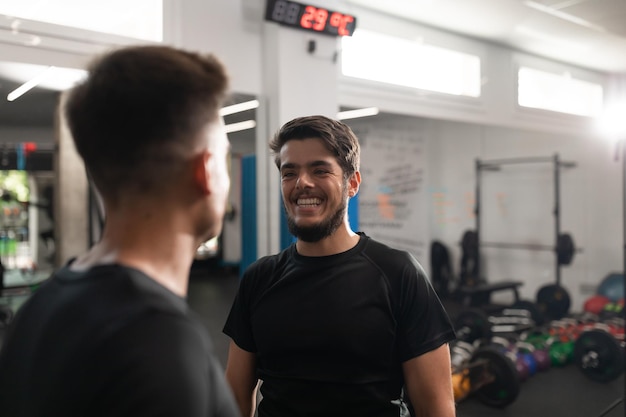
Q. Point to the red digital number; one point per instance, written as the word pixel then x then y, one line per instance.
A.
pixel 307 18
pixel 314 18
pixel 345 20
pixel 320 19
pixel 335 20
pixel 341 21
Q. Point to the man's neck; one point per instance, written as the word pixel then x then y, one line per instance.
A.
pixel 164 254
pixel 342 240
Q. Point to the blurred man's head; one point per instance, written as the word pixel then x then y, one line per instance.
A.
pixel 144 116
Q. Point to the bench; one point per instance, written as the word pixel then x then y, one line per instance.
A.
pixel 480 295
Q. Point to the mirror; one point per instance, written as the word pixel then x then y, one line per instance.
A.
pixel 27 235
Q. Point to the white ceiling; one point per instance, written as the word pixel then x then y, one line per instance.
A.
pixel 586 33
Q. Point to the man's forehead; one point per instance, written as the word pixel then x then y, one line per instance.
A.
pixel 305 145
pixel 287 163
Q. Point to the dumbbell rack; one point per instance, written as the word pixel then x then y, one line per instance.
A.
pixel 594 344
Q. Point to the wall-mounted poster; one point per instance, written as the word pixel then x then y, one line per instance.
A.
pixel 392 198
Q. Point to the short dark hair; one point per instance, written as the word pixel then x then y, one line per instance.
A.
pixel 337 137
pixel 139 111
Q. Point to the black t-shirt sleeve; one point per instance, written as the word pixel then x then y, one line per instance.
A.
pixel 423 323
pixel 161 365
pixel 238 325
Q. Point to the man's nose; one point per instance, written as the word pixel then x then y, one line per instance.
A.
pixel 304 181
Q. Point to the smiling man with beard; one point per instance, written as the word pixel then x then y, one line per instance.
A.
pixel 337 324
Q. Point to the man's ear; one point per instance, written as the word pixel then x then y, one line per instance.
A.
pixel 201 173
pixel 353 184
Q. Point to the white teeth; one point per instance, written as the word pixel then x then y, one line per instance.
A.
pixel 308 201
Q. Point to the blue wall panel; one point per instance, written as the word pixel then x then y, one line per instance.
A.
pixel 248 212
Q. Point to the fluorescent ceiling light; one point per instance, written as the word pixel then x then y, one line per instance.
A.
pixel 47 77
pixel 236 127
pixel 33 82
pixel 239 107
pixel 353 114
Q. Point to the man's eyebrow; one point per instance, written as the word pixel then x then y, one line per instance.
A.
pixel 320 163
pixel 290 165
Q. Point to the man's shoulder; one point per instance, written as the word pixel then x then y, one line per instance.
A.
pixel 392 261
pixel 378 249
pixel 118 289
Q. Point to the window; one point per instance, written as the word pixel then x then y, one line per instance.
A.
pixel 558 92
pixel 387 59
pixel 141 19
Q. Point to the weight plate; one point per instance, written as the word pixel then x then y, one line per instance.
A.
pixel 471 325
pixel 505 387
pixel 599 356
pixel 522 370
pixel 529 360
pixel 542 358
pixel 469 244
pixel 565 249
pixel 461 385
pixel 532 308
pixel 553 301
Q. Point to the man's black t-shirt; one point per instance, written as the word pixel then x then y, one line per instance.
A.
pixel 109 342
pixel 331 333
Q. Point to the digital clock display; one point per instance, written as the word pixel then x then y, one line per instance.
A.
pixel 309 17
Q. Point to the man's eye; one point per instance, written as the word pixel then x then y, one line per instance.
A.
pixel 288 174
pixel 321 172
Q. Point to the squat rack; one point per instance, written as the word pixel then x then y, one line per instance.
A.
pixel 494 165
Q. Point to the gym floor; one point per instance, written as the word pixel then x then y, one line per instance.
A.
pixel 556 392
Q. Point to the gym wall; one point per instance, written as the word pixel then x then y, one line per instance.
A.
pixel 517 202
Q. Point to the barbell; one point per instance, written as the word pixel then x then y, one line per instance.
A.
pixel 599 352
pixel 484 372
pixel 565 247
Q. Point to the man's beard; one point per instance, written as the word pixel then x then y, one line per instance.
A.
pixel 320 230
